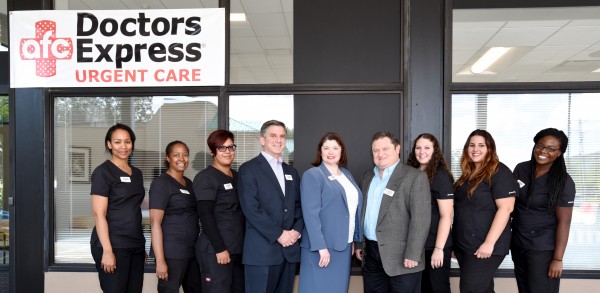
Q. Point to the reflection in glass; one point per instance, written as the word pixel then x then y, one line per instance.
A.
pixel 261 46
pixel 513 120
pixel 526 44
pixel 79 128
pixel 246 116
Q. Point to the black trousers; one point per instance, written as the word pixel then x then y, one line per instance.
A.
pixel 531 270
pixel 220 278
pixel 375 280
pixel 129 275
pixel 270 278
pixel 436 280
pixel 477 275
pixel 182 273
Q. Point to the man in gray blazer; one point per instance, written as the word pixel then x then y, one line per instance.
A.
pixel 396 216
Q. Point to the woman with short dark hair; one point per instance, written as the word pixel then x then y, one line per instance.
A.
pixel 219 246
pixel 174 224
pixel 117 241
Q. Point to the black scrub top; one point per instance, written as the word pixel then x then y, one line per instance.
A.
pixel 441 188
pixel 473 217
pixel 180 221
pixel 125 195
pixel 534 227
pixel 213 185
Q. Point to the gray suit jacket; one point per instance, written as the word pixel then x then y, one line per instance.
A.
pixel 404 218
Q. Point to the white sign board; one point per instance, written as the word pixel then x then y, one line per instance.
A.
pixel 117 48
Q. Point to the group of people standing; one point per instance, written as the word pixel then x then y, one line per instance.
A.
pixel 403 222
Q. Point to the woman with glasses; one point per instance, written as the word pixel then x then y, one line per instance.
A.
pixel 542 216
pixel 484 197
pixel 219 246
pixel 427 156
pixel 174 222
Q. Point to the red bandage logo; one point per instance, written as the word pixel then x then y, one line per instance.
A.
pixel 45 48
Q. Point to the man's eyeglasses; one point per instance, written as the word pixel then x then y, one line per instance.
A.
pixel 550 149
pixel 223 148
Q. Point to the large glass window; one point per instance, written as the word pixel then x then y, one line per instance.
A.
pixel 526 44
pixel 261 41
pixel 80 125
pixel 513 120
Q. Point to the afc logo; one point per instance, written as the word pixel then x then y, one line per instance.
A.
pixel 45 48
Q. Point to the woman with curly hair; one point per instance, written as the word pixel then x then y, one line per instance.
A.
pixel 484 197
pixel 542 216
pixel 427 156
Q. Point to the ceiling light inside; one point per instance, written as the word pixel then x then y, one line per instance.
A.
pixel 597 70
pixel 491 56
pixel 237 17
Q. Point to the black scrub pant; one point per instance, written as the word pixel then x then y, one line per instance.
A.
pixel 182 273
pixel 531 270
pixel 218 278
pixel 129 275
pixel 436 280
pixel 477 274
pixel 375 280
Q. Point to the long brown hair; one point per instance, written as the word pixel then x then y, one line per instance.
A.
pixel 437 157
pixel 489 166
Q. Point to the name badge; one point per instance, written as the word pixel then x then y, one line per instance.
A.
pixel 288 177
pixel 126 179
pixel 521 184
pixel 331 178
pixel 228 186
pixel 388 192
pixel 184 191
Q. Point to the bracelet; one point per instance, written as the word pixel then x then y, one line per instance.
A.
pixel 438 248
pixel 556 259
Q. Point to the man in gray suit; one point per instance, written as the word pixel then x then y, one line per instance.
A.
pixel 396 216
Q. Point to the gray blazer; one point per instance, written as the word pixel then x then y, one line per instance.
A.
pixel 404 219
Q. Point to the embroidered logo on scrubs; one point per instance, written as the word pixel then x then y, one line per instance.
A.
pixel 388 192
pixel 521 184
pixel 288 177
pixel 184 191
pixel 331 178
pixel 125 179
pixel 228 186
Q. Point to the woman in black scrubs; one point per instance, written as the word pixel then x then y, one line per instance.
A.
pixel 542 216
pixel 427 156
pixel 219 246
pixel 174 224
pixel 117 241
pixel 484 197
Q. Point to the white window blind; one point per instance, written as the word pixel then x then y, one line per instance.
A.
pixel 513 120
pixel 80 125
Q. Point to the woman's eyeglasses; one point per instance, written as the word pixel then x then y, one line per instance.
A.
pixel 550 149
pixel 223 148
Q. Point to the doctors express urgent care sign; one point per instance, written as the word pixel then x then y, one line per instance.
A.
pixel 117 48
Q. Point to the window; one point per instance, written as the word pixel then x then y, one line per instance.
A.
pixel 526 44
pixel 261 42
pixel 80 125
pixel 248 113
pixel 513 120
